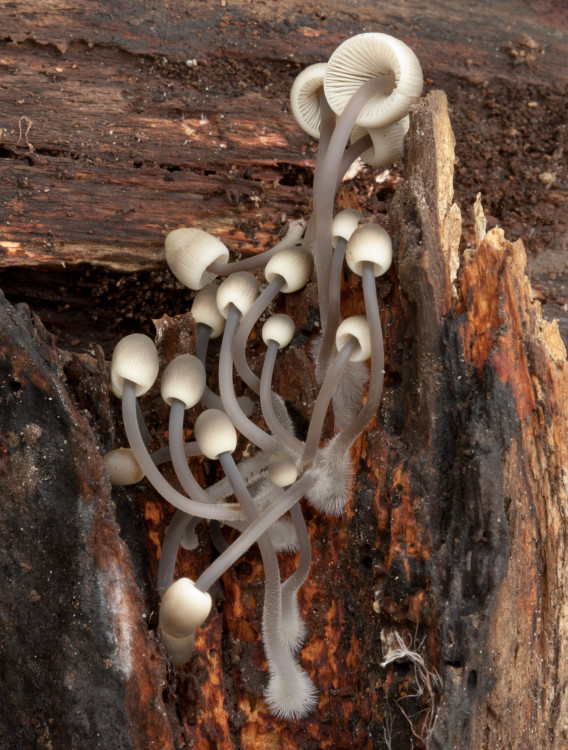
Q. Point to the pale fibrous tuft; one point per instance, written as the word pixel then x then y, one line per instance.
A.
pixel 292 625
pixel 333 477
pixel 291 696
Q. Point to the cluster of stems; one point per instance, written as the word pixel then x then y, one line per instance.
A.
pixel 260 495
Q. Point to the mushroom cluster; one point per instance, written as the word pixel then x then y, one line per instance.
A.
pixel 357 104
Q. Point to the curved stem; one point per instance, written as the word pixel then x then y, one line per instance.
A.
pixel 209 399
pixel 292 236
pixel 243 424
pixel 351 153
pixel 266 401
pixel 163 455
pixel 245 327
pixel 217 537
pixel 348 435
pixel 324 397
pixel 170 546
pixel 334 302
pixel 250 535
pixel 229 512
pixel 182 470
pixel 323 197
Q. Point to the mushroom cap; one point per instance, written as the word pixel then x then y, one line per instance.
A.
pixel 215 433
pixel 294 264
pixel 370 243
pixel 344 224
pixel 388 143
pixel 180 650
pixel 183 608
pixel 373 55
pixel 205 311
pixel 188 254
pixel 305 98
pixel 184 379
pixel 134 358
pixel 279 328
pixel 282 470
pixel 240 289
pixel 355 327
pixel 122 467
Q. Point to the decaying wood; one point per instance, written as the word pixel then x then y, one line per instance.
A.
pixel 453 543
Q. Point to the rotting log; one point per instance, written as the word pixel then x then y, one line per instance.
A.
pixel 454 540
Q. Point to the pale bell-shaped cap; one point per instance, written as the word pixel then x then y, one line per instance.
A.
pixel 188 254
pixel 279 328
pixel 183 379
pixel 183 608
pixel 388 143
pixel 355 327
pixel 369 243
pixel 134 358
pixel 373 55
pixel 180 650
pixel 240 289
pixel 215 433
pixel 282 469
pixel 305 98
pixel 205 311
pixel 122 467
pixel 344 224
pixel 294 264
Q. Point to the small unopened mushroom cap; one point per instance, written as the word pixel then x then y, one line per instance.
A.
pixel 205 311
pixel 294 264
pixel 388 143
pixel 134 358
pixel 184 379
pixel 183 608
pixel 369 243
pixel 188 254
pixel 180 650
pixel 122 467
pixel 355 327
pixel 344 224
pixel 240 289
pixel 373 55
pixel 282 469
pixel 215 433
pixel 305 98
pixel 279 328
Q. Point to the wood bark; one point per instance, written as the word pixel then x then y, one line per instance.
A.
pixel 454 539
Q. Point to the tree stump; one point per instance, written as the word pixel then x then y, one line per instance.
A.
pixel 435 605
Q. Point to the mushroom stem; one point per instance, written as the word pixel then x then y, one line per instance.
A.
pixel 249 536
pixel 244 425
pixel 324 194
pixel 144 431
pixel 209 399
pixel 292 626
pixel 334 300
pixel 170 547
pixel 328 119
pixel 282 665
pixel 182 470
pixel 228 512
pixel 324 397
pixel 163 455
pixel 292 237
pixel 219 541
pixel 266 402
pixel 351 153
pixel 248 320
pixel 348 435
